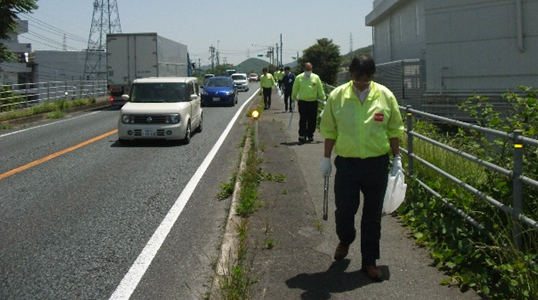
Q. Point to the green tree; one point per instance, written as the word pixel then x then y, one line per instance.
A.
pixel 8 16
pixel 326 59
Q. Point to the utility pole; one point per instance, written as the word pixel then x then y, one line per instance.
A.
pixel 281 57
pixel 218 60
pixel 276 63
pixel 212 57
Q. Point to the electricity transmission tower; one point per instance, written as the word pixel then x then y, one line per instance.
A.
pixel 106 19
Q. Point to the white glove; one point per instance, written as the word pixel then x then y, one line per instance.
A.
pixel 396 165
pixel 326 167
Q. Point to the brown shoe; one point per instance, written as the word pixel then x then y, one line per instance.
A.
pixel 373 273
pixel 341 251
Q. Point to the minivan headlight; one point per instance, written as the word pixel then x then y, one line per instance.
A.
pixel 172 119
pixel 127 119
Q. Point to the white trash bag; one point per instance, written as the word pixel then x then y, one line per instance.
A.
pixel 395 193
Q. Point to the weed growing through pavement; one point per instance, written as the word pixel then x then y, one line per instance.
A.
pixel 285 192
pixel 227 189
pixel 236 281
pixel 269 243
pixel 319 225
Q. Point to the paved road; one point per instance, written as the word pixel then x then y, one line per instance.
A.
pixel 72 225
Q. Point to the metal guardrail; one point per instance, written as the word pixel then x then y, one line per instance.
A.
pixel 516 174
pixel 16 96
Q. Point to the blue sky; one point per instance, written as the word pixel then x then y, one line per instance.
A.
pixel 233 26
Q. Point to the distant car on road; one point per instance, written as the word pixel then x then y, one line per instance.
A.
pixel 253 77
pixel 241 81
pixel 206 77
pixel 161 108
pixel 219 90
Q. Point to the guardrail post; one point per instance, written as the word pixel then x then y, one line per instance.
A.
pixel 26 94
pixel 517 193
pixel 409 119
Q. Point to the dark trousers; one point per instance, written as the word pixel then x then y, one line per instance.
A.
pixel 287 99
pixel 369 176
pixel 267 97
pixel 308 116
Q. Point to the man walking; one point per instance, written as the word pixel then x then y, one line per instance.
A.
pixel 279 74
pixel 288 80
pixel 362 122
pixel 266 84
pixel 307 89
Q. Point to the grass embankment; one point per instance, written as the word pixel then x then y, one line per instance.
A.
pixel 54 110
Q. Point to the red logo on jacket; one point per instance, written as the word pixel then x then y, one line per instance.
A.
pixel 378 117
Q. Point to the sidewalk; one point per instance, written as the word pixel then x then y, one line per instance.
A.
pixel 301 264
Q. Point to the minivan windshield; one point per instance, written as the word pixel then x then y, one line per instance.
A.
pixel 159 92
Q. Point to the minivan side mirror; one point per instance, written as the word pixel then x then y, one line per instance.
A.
pixel 125 97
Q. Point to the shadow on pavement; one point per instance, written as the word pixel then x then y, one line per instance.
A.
pixel 320 286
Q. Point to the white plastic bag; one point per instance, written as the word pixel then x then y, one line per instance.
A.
pixel 280 94
pixel 395 193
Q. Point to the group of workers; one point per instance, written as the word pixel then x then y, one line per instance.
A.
pixel 361 123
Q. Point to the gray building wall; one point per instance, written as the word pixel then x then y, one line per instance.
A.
pixel 16 71
pixel 53 65
pixel 485 46
pixel 473 45
pixel 398 30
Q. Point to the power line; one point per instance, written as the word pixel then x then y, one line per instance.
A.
pixel 54 30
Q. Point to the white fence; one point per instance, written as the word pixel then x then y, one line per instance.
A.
pixel 27 94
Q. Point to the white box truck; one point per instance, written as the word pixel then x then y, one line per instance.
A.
pixel 141 55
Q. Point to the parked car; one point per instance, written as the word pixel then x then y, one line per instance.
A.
pixel 241 81
pixel 161 108
pixel 253 77
pixel 206 77
pixel 219 90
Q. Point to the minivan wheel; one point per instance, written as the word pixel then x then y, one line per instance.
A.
pixel 187 138
pixel 201 125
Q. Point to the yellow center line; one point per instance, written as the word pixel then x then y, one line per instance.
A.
pixel 54 155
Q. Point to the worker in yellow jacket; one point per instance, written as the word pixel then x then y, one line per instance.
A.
pixel 267 82
pixel 362 122
pixel 279 75
pixel 307 89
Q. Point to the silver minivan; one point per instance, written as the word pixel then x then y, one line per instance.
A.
pixel 161 108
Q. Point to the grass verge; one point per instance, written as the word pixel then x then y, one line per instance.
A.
pixel 51 108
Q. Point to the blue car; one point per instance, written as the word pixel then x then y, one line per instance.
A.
pixel 219 90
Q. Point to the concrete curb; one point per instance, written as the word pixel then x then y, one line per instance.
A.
pixel 230 241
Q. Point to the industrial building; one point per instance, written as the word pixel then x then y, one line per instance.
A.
pixel 435 53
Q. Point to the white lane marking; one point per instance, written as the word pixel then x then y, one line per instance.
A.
pixel 48 124
pixel 138 269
